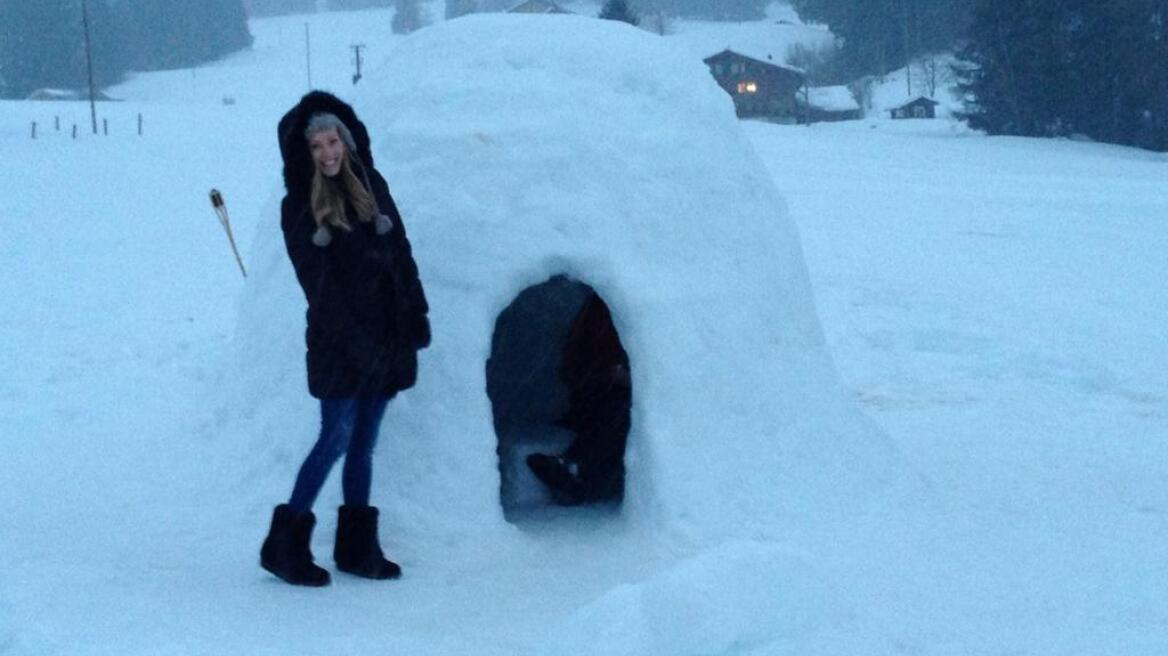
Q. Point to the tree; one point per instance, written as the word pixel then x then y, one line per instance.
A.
pixel 42 44
pixel 658 22
pixel 1061 67
pixel 618 10
pixel 177 34
pixel 721 10
pixel 456 8
pixel 879 36
pixel 820 64
pixel 408 17
pixel 344 5
pixel 255 8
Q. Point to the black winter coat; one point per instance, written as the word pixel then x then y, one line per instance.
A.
pixel 366 307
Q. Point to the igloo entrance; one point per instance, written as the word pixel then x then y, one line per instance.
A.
pixel 559 384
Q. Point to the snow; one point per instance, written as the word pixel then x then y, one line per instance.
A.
pixel 893 89
pixel 983 475
pixel 511 189
pixel 832 99
pixel 769 40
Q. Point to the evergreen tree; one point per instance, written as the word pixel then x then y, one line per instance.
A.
pixel 618 10
pixel 1060 67
pixel 344 5
pixel 456 8
pixel 176 33
pixel 256 8
pixel 883 35
pixel 42 44
pixel 721 10
pixel 408 17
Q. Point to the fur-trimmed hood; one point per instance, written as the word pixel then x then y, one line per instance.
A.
pixel 298 166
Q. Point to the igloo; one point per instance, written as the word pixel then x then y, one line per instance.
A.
pixel 526 149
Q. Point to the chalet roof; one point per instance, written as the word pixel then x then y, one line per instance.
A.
pixel 730 54
pixel 919 100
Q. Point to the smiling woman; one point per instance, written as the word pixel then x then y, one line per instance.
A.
pixel 335 184
pixel 366 322
pixel 327 150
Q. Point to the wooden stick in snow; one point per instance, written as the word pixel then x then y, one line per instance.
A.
pixel 225 221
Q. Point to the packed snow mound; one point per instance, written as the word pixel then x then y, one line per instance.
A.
pixel 523 147
pixel 735 598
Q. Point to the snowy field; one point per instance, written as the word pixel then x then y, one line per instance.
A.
pixel 995 306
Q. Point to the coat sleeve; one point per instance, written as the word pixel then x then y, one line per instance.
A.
pixel 336 322
pixel 405 269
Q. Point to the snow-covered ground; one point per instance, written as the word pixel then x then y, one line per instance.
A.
pixel 995 306
pixel 930 76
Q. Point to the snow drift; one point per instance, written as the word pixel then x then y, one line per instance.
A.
pixel 520 148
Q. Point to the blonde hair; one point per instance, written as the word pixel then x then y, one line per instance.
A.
pixel 329 194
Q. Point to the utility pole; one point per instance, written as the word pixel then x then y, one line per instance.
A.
pixel 89 63
pixel 308 55
pixel 357 60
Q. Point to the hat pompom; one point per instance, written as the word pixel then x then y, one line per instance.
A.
pixel 322 237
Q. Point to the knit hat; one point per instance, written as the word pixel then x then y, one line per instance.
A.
pixel 324 121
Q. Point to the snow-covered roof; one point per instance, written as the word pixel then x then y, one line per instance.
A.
pixel 66 94
pixel 55 94
pixel 832 99
pixel 775 64
pixel 920 100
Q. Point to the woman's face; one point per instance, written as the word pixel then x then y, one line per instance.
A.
pixel 327 151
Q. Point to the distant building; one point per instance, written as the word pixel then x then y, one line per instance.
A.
pixel 760 89
pixel 829 104
pixel 66 94
pixel 538 7
pixel 919 107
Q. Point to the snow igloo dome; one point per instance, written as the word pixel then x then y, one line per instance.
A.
pixel 535 158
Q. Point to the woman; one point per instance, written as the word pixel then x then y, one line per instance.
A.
pixel 366 323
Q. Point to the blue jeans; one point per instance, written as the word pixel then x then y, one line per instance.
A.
pixel 347 427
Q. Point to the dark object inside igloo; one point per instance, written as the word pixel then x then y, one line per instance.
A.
pixel 550 347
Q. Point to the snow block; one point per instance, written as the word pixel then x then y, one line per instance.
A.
pixel 522 147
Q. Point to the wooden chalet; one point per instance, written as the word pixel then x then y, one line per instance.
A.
pixel 760 89
pixel 919 107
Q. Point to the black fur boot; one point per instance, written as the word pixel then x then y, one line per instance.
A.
pixel 357 550
pixel 286 550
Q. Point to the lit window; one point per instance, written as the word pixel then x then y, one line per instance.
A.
pixel 747 87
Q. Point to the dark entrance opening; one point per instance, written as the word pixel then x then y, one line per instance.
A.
pixel 560 393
